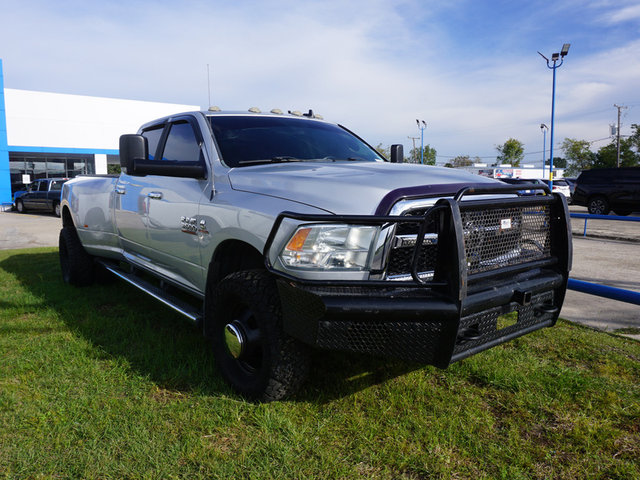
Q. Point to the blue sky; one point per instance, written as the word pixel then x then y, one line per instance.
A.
pixel 468 68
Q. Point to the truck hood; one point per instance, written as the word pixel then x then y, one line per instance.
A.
pixel 356 188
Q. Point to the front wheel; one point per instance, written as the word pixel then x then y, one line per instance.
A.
pixel 20 206
pixel 252 351
pixel 56 209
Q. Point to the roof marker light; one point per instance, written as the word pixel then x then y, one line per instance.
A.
pixel 214 108
pixel 254 110
pixel 297 113
pixel 277 111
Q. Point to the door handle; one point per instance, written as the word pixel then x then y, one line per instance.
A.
pixel 155 195
pixel 120 190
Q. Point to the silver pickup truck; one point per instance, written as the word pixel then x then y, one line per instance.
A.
pixel 280 232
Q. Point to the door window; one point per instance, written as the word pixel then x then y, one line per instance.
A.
pixel 153 139
pixel 182 144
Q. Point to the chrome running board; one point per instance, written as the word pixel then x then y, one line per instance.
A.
pixel 180 306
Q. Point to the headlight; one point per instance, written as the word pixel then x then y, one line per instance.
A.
pixel 326 247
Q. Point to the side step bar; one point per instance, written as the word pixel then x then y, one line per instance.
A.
pixel 180 306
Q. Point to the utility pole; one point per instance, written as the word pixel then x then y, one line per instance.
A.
pixel 413 139
pixel 421 128
pixel 619 107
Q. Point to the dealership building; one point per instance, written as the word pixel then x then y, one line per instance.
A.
pixel 46 134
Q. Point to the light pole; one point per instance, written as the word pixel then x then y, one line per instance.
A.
pixel 421 127
pixel 554 58
pixel 544 129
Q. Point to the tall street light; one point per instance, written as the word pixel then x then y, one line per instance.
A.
pixel 421 125
pixel 554 59
pixel 544 129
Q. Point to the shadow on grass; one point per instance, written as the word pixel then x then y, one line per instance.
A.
pixel 123 323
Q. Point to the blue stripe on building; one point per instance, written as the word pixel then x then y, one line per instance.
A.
pixel 5 177
pixel 84 151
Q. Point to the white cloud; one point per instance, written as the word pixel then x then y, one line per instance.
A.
pixel 625 14
pixel 374 66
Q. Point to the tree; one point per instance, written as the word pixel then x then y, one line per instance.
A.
pixel 384 151
pixel 578 155
pixel 558 162
pixel 635 137
pixel 460 161
pixel 429 155
pixel 607 156
pixel 511 151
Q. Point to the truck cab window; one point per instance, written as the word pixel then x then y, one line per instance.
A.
pixel 182 144
pixel 153 138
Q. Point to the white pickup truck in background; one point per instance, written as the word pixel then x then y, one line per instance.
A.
pixel 288 232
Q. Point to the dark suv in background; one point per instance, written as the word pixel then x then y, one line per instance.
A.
pixel 604 189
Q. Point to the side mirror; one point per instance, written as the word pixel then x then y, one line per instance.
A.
pixel 397 153
pixel 133 148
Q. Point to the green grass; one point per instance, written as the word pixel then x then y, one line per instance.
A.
pixel 104 382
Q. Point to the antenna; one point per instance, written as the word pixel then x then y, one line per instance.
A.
pixel 208 86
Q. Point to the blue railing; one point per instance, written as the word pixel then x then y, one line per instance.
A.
pixel 622 295
pixel 588 216
pixel 628 296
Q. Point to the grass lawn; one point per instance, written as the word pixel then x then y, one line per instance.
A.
pixel 104 382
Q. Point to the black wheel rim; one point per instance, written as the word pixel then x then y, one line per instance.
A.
pixel 251 359
pixel 597 207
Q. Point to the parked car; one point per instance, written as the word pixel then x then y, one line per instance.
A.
pixel 604 189
pixel 524 181
pixel 560 185
pixel 43 194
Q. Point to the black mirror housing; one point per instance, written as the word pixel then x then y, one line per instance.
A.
pixel 397 153
pixel 133 149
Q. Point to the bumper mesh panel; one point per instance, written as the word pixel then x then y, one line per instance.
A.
pixel 486 323
pixel 404 340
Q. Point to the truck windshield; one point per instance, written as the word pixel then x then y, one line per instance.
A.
pixel 245 141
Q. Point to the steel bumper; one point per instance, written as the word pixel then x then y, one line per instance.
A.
pixel 414 324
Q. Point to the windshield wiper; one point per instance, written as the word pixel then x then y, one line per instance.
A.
pixel 280 159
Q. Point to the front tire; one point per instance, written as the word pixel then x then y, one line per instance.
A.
pixel 252 351
pixel 76 264
pixel 598 206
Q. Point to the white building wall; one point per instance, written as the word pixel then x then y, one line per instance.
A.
pixel 42 119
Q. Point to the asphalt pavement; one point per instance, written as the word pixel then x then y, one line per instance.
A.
pixel 608 255
pixel 28 230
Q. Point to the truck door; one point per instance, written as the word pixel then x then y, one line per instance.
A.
pixel 37 196
pixel 173 205
pixel 131 205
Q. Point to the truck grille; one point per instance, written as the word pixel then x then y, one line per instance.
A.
pixel 493 238
pixel 504 237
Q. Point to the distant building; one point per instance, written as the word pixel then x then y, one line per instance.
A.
pixel 515 172
pixel 59 135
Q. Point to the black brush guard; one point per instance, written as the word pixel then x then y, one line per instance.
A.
pixel 481 293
